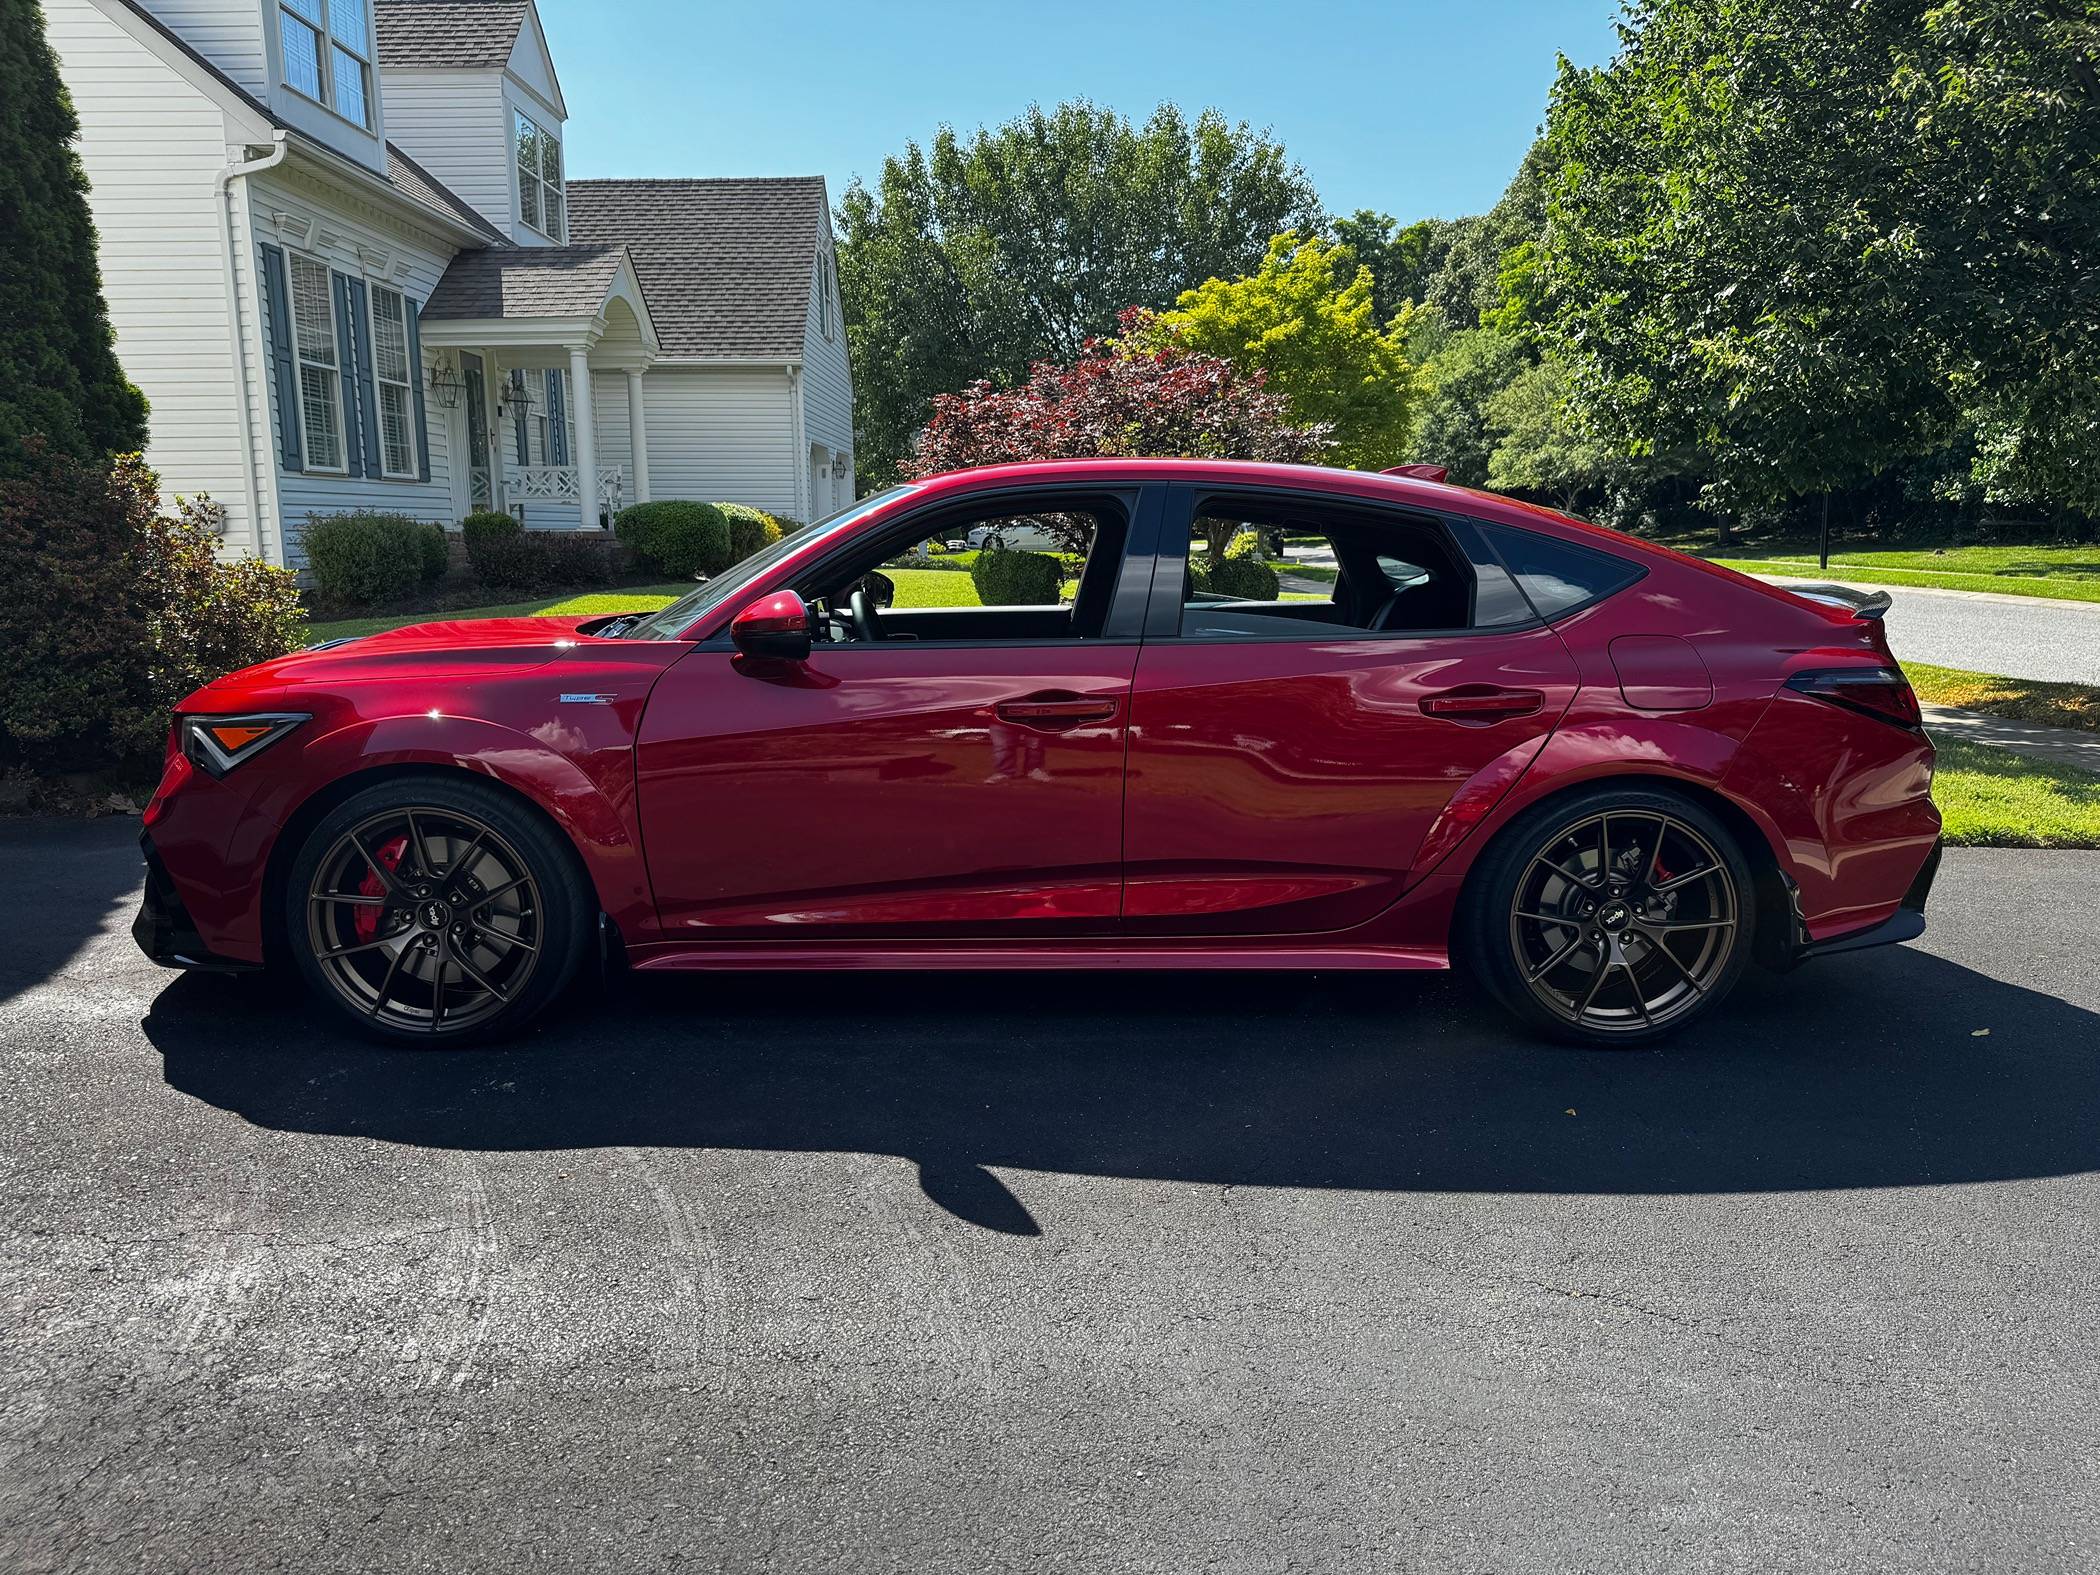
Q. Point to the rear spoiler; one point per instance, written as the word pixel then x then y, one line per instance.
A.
pixel 1861 604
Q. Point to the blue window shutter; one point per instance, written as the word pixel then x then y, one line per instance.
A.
pixel 367 389
pixel 415 372
pixel 284 371
pixel 346 361
pixel 517 417
pixel 557 419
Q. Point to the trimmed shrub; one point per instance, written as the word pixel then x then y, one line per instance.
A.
pixel 1017 579
pixel 750 530
pixel 542 560
pixel 365 558
pixel 115 611
pixel 1241 573
pixel 487 535
pixel 675 538
pixel 437 554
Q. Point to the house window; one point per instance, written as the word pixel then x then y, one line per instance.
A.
pixel 828 288
pixel 327 46
pixel 540 202
pixel 396 383
pixel 320 380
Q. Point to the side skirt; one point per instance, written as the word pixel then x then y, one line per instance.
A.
pixel 1107 956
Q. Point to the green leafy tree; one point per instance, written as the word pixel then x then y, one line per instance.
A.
pixel 1543 446
pixel 58 366
pixel 983 255
pixel 1305 320
pixel 1400 257
pixel 1463 372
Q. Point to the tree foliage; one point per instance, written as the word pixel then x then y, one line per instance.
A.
pixel 983 255
pixel 1166 402
pixel 1305 320
pixel 58 368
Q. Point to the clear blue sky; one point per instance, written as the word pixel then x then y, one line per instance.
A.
pixel 1415 107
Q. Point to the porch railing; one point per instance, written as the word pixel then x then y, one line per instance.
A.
pixel 529 482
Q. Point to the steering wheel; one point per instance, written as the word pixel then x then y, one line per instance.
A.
pixel 862 607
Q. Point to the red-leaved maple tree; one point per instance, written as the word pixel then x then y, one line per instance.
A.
pixel 1114 401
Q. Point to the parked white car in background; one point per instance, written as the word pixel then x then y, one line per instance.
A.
pixel 1014 536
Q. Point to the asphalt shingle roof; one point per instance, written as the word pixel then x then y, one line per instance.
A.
pixel 726 264
pixel 525 281
pixel 409 178
pixel 447 34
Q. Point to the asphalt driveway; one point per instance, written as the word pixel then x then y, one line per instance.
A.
pixel 2013 636
pixel 1053 1273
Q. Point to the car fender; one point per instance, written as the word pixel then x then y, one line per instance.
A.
pixel 584 786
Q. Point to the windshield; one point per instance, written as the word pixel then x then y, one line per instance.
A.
pixel 669 622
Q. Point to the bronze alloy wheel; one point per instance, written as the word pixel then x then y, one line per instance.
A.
pixel 424 919
pixel 1624 921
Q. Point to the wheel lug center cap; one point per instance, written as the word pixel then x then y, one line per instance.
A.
pixel 434 916
pixel 1614 916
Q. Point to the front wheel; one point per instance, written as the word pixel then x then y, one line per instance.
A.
pixel 436 912
pixel 1612 917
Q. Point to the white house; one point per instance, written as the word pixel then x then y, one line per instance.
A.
pixel 345 264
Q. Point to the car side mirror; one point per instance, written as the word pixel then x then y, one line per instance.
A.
pixel 774 628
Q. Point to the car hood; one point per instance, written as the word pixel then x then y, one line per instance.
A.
pixel 455 648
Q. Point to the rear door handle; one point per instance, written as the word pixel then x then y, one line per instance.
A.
pixel 1482 703
pixel 1055 711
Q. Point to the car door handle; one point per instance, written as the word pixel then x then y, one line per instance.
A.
pixel 1054 711
pixel 1482 703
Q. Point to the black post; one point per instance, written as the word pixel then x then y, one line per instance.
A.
pixel 1825 543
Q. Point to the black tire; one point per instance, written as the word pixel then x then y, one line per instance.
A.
pixel 1609 943
pixel 434 910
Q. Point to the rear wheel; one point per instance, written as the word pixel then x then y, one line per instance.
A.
pixel 436 912
pixel 1612 917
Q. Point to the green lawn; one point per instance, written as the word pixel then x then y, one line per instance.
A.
pixel 2053 573
pixel 2020 699
pixel 637 598
pixel 1993 798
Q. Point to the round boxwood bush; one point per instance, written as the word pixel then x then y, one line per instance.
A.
pixel 437 554
pixel 1241 573
pixel 675 538
pixel 366 558
pixel 1017 579
pixel 750 530
pixel 486 534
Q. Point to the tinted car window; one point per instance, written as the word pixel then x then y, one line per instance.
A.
pixel 1556 576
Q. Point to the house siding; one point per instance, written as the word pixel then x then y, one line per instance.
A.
pixel 827 376
pixel 456 125
pixel 153 146
pixel 230 36
pixel 716 434
pixel 302 217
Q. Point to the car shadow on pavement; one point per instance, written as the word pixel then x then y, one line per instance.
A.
pixel 66 882
pixel 1895 1068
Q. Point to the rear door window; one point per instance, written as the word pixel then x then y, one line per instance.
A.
pixel 1556 576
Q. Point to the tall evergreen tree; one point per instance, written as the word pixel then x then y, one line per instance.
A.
pixel 58 365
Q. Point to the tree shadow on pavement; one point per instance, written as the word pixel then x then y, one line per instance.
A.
pixel 64 882
pixel 1862 1071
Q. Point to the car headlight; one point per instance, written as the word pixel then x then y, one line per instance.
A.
pixel 216 744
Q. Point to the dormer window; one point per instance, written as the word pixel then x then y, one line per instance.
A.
pixel 327 46
pixel 540 202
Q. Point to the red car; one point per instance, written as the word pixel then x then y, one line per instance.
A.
pixel 1257 717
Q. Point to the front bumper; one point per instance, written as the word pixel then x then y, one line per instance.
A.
pixel 164 930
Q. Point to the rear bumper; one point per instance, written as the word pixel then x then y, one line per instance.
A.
pixel 164 930
pixel 1907 923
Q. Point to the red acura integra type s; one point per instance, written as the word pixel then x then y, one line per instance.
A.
pixel 1597 775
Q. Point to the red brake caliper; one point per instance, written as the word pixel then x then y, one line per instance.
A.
pixel 389 854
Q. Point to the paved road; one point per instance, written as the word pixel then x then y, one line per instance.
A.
pixel 2015 636
pixel 1234 1274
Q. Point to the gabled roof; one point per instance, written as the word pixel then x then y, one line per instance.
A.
pixel 447 34
pixel 726 264
pixel 526 281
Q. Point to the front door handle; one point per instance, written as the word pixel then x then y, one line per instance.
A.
pixel 1482 703
pixel 1055 711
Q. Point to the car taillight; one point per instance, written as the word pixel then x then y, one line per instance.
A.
pixel 1880 692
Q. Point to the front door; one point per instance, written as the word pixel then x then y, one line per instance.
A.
pixel 481 488
pixel 948 763
pixel 1296 731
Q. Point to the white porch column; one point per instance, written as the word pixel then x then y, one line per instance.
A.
pixel 637 436
pixel 586 438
